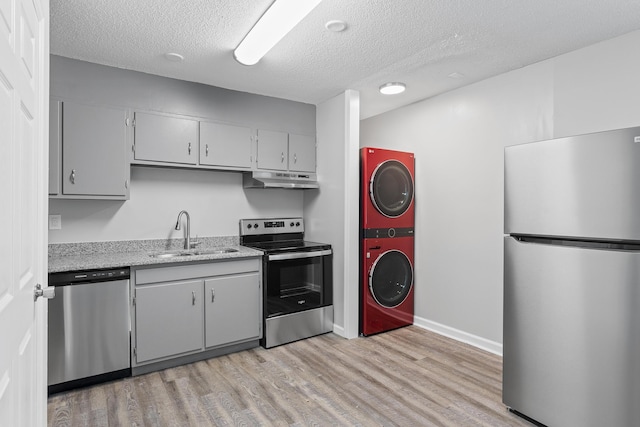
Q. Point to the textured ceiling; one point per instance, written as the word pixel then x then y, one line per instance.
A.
pixel 419 42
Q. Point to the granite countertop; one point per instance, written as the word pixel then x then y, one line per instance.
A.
pixel 130 253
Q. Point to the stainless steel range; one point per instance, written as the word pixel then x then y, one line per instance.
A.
pixel 297 279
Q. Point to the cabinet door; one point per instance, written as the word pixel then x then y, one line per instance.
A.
pixel 302 153
pixel 94 160
pixel 272 150
pixel 225 145
pixel 232 309
pixel 169 319
pixel 55 143
pixel 160 138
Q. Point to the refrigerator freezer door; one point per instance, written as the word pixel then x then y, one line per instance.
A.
pixel 585 187
pixel 572 334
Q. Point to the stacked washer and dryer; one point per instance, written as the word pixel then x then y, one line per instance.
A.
pixel 387 239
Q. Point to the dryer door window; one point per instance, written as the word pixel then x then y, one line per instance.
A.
pixel 391 188
pixel 390 278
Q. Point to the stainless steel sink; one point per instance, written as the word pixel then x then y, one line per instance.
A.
pixel 215 251
pixel 163 255
pixel 171 254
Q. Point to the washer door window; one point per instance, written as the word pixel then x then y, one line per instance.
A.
pixel 390 278
pixel 391 188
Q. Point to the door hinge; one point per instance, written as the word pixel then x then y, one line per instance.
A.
pixel 130 122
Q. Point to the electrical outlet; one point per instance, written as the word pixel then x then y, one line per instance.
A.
pixel 55 222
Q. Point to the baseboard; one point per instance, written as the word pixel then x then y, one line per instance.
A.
pixel 339 330
pixel 456 334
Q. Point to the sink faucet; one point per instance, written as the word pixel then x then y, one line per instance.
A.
pixel 187 238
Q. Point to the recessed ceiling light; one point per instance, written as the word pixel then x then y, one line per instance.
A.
pixel 336 26
pixel 455 75
pixel 173 57
pixel 392 88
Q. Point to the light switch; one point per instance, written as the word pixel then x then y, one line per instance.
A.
pixel 55 222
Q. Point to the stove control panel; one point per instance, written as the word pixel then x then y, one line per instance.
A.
pixel 271 226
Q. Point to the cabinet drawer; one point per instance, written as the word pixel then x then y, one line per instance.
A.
pixel 189 271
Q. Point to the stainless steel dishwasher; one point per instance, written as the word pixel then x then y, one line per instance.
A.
pixel 89 328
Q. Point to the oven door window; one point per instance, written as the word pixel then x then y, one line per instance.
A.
pixel 297 284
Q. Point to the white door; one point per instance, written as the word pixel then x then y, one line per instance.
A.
pixel 24 94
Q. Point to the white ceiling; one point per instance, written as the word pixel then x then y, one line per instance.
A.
pixel 418 42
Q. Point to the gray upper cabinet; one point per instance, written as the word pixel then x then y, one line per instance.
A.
pixel 89 142
pixel 55 148
pixel 225 146
pixel 272 151
pixel 165 139
pixel 232 309
pixel 302 153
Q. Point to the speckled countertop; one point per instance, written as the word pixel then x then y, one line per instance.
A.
pixel 96 255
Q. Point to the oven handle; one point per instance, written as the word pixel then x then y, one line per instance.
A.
pixel 298 255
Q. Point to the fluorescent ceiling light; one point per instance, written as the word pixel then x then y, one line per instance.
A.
pixel 392 88
pixel 276 22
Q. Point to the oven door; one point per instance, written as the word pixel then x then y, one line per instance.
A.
pixel 298 281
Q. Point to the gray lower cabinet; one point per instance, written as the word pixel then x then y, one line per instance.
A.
pixel 191 311
pixel 168 319
pixel 88 154
pixel 232 311
pixel 165 138
pixel 225 146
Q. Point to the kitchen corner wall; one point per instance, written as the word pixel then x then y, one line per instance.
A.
pixel 331 213
pixel 215 200
pixel 458 139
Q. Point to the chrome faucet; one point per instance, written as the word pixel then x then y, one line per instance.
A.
pixel 187 238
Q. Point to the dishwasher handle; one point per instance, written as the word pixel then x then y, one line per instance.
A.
pixel 49 292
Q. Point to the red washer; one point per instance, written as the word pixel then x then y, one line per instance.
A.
pixel 387 284
pixel 387 179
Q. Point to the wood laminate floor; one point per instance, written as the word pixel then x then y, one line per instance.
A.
pixel 405 377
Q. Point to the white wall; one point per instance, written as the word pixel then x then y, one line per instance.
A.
pixel 331 213
pixel 215 202
pixel 458 139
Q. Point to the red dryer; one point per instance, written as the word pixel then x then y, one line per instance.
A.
pixel 387 188
pixel 387 224
pixel 387 284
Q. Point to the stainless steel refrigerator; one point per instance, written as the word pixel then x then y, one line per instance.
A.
pixel 572 280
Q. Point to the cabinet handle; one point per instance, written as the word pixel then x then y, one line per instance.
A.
pixel 189 148
pixel 282 157
pixel 295 158
pixel 72 178
pixel 206 150
pixel 193 298
pixel 213 294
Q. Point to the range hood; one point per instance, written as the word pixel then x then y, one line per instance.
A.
pixel 263 179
